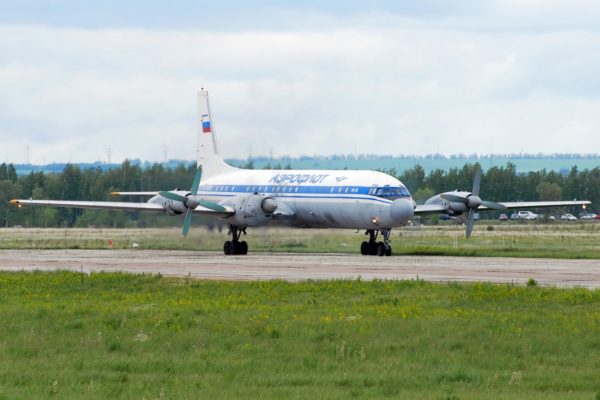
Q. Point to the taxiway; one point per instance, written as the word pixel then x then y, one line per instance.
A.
pixel 296 267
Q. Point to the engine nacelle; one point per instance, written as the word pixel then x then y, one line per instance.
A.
pixel 174 207
pixel 251 210
pixel 456 208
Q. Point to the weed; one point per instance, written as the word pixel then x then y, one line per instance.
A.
pixel 531 282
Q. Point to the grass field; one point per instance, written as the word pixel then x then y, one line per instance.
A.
pixel 578 240
pixel 64 335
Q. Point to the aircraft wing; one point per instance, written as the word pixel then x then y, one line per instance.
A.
pixel 133 193
pixel 424 209
pixel 440 209
pixel 538 204
pixel 117 205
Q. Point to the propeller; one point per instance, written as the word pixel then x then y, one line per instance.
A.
pixel 191 201
pixel 472 201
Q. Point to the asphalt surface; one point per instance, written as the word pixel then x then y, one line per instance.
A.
pixel 297 267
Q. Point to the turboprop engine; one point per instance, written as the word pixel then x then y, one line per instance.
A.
pixel 458 202
pixel 173 207
pixel 251 210
pixel 180 206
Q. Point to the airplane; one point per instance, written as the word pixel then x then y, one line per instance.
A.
pixel 363 200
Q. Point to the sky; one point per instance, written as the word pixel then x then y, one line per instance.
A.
pixel 82 80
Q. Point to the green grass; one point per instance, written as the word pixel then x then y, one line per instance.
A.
pixel 64 335
pixel 490 239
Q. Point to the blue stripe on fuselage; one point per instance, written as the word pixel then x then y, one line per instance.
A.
pixel 275 189
pixel 294 191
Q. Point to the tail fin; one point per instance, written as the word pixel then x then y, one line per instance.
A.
pixel 209 156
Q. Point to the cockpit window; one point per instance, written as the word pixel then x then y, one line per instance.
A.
pixel 391 193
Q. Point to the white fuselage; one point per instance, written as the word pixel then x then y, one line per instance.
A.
pixel 319 198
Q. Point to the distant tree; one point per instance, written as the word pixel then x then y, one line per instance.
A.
pixel 422 194
pixel 413 178
pixel 8 191
pixel 8 172
pixel 548 191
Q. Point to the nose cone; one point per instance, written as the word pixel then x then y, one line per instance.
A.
pixel 401 211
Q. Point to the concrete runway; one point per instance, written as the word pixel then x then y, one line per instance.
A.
pixel 296 267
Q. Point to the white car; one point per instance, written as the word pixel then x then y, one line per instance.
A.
pixel 568 217
pixel 527 215
pixel 587 217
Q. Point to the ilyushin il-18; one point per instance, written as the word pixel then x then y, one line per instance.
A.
pixel 242 198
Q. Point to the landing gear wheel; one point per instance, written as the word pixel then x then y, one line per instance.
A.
pixel 364 248
pixel 228 248
pixel 381 248
pixel 372 248
pixel 243 247
pixel 388 251
pixel 234 246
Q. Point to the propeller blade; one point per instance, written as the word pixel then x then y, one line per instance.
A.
pixel 453 198
pixel 172 196
pixel 187 221
pixel 196 181
pixel 470 222
pixel 476 181
pixel 492 205
pixel 212 206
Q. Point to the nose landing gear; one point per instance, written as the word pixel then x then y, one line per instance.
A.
pixel 375 248
pixel 235 246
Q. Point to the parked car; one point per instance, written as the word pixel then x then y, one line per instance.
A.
pixel 568 217
pixel 587 216
pixel 528 215
pixel 514 216
pixel 551 218
pixel 503 217
pixel 476 217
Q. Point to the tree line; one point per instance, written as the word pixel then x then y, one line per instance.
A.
pixel 73 183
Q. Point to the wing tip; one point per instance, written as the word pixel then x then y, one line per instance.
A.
pixel 115 193
pixel 16 202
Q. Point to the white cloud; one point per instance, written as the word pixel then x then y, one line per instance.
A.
pixel 70 94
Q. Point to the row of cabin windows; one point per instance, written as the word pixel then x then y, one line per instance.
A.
pixel 275 189
pixel 253 189
pixel 389 192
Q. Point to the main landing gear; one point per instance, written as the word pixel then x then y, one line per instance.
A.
pixel 234 246
pixel 375 248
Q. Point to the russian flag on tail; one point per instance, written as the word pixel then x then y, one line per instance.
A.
pixel 206 126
